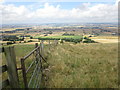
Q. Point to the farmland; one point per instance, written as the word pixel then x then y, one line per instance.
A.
pixel 73 63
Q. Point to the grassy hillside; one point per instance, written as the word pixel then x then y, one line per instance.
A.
pixel 77 65
pixel 83 66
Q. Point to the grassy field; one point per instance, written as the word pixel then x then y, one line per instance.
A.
pixel 105 39
pixel 83 66
pixel 74 37
pixel 77 65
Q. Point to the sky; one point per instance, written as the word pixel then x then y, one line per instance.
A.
pixel 62 11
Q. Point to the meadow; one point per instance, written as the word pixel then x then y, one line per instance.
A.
pixel 82 65
pixel 73 37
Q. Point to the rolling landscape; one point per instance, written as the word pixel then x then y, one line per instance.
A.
pixel 75 59
pixel 59 45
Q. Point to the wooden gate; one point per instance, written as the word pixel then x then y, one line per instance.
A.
pixel 31 67
pixel 34 69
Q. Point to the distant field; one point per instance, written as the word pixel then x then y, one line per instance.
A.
pixel 74 37
pixel 10 29
pixel 105 39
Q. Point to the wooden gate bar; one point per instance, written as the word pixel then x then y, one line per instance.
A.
pixel 33 74
pixel 24 73
pixel 30 53
pixel 5 83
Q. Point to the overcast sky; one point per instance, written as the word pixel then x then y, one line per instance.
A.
pixel 67 11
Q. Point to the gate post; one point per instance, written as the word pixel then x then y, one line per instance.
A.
pixel 12 67
pixel 42 48
pixel 37 52
pixel 49 45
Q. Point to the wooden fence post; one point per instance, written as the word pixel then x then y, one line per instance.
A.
pixel 42 48
pixel 55 42
pixel 49 44
pixel 12 67
pixel 36 54
pixel 24 73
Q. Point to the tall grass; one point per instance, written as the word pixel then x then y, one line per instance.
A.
pixel 77 65
pixel 83 66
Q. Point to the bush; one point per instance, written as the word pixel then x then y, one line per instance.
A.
pixel 65 39
pixel 8 43
pixel 14 42
pixel 87 40
pixel 30 41
pixel 61 41
pixel 31 37
pixel 67 34
pixel 10 38
pixel 72 40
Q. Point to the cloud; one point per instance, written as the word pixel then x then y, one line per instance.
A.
pixel 50 13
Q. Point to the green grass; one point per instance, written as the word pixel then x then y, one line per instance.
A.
pixel 77 65
pixel 74 37
pixel 83 66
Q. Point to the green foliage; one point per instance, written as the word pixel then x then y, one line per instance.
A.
pixel 10 38
pixel 25 36
pixel 61 41
pixel 75 39
pixel 8 43
pixel 31 37
pixel 67 34
pixel 72 40
pixel 87 40
pixel 30 41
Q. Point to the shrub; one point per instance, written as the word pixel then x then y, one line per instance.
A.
pixel 61 41
pixel 67 34
pixel 87 40
pixel 30 41
pixel 9 38
pixel 8 43
pixel 31 37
